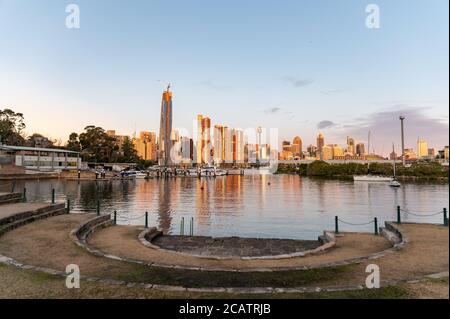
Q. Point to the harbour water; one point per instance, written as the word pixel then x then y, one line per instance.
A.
pixel 274 206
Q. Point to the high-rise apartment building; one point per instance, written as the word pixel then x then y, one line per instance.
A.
pixel 204 146
pixel 327 152
pixel 297 147
pixel 320 145
pixel 238 146
pixel 146 146
pixel 422 148
pixel 165 129
pixel 360 149
pixel 351 145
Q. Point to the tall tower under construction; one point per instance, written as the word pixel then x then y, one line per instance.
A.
pixel 165 128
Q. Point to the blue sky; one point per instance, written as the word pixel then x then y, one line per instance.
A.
pixel 299 66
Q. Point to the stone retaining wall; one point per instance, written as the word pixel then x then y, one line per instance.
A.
pixel 148 235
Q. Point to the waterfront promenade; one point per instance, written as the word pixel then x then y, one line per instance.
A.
pixel 115 255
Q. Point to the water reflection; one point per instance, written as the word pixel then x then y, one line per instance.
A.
pixel 284 206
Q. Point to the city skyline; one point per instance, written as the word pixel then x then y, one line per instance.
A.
pixel 319 82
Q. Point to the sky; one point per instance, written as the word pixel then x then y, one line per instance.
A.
pixel 300 66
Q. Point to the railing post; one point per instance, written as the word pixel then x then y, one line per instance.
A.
pixel 98 208
pixel 115 218
pixel 146 219
pixel 53 195
pixel 68 206
pixel 445 217
pixel 376 225
pixel 191 227
pixel 399 219
pixel 182 227
pixel 24 194
pixel 336 225
pixel 13 187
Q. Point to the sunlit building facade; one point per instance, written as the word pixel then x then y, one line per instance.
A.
pixel 422 148
pixel 146 146
pixel 204 147
pixel 165 129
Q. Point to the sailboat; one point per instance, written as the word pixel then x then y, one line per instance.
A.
pixel 394 182
pixel 369 177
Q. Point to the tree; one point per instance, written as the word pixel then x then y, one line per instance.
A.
pixel 96 145
pixel 38 140
pixel 11 127
pixel 129 152
pixel 73 144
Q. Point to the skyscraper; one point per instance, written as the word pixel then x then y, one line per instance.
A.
pixel 360 149
pixel 165 128
pixel 350 145
pixel 203 140
pixel 320 144
pixel 222 144
pixel 297 147
pixel 422 148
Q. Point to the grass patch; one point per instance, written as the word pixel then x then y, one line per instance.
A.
pixel 192 278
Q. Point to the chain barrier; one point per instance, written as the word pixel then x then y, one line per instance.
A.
pixel 355 224
pixel 420 214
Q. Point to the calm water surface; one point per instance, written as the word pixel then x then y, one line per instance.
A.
pixel 277 206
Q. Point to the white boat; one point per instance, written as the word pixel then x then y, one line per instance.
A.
pixel 394 182
pixel 209 171
pixel 371 178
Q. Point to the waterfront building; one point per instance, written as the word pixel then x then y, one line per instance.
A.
pixel 238 147
pixel 320 145
pixel 223 152
pixel 422 148
pixel 186 150
pixel 360 149
pixel 311 149
pixel 146 145
pixel 327 153
pixel 39 159
pixel 297 147
pixel 165 129
pixel 337 150
pixel 204 147
pixel 446 153
pixel 351 146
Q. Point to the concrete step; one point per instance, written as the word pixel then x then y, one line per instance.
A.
pixel 390 236
pixel 21 222
pixel 10 198
pixel 31 213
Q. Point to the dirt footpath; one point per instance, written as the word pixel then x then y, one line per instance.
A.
pixel 123 241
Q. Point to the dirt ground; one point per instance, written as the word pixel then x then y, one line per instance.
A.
pixel 122 241
pixel 47 243
pixel 17 283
